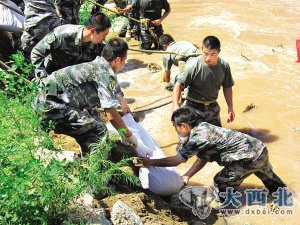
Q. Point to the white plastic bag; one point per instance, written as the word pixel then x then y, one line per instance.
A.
pixel 10 20
pixel 160 180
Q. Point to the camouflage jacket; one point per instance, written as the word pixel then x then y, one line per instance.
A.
pixel 37 11
pixel 61 48
pixel 86 85
pixel 219 144
pixel 69 10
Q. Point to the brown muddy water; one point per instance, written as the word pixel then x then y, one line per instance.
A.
pixel 258 40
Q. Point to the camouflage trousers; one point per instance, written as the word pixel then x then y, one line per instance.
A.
pixel 233 175
pixel 210 113
pixel 32 35
pixel 85 125
pixel 146 40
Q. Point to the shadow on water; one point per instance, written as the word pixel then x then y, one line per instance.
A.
pixel 261 134
pixel 133 64
pixel 130 100
pixel 124 84
pixel 140 116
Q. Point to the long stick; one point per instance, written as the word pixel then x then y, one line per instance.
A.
pixel 6 67
pixel 12 8
pixel 164 52
pixel 108 9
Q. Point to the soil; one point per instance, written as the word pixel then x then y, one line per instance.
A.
pixel 152 209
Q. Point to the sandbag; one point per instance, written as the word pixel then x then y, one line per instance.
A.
pixel 160 180
pixel 10 20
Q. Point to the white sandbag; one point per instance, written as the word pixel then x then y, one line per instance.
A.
pixel 160 180
pixel 10 20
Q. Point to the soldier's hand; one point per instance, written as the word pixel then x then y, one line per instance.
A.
pixel 125 108
pixel 132 140
pixel 185 179
pixel 143 161
pixel 231 116
pixel 156 22
pixel 128 35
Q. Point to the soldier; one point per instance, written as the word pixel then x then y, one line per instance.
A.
pixel 68 10
pixel 70 44
pixel 168 44
pixel 71 97
pixel 152 10
pixel 202 77
pixel 240 154
pixel 40 19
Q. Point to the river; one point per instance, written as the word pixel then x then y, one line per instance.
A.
pixel 258 39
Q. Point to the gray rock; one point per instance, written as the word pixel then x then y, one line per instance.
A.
pixel 123 215
pixel 99 218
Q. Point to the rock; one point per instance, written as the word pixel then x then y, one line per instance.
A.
pixel 93 216
pixel 99 218
pixel 85 200
pixel 123 215
pixel 47 155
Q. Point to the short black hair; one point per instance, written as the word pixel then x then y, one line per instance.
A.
pixel 211 42
pixel 187 115
pixel 99 21
pixel 165 39
pixel 115 47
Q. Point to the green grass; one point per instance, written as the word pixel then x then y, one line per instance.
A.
pixel 31 190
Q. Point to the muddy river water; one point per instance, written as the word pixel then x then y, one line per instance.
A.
pixel 258 39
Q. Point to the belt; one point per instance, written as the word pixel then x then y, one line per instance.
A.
pixel 206 103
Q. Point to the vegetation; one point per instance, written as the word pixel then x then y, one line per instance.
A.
pixel 117 21
pixel 17 86
pixel 32 190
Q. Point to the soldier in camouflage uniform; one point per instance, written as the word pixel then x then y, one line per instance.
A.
pixel 240 154
pixel 40 19
pixel 152 10
pixel 69 45
pixel 68 10
pixel 167 43
pixel 71 96
pixel 202 77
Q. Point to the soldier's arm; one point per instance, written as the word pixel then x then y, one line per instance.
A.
pixel 116 120
pixel 196 167
pixel 165 15
pixel 177 95
pixel 125 108
pixel 158 22
pixel 228 97
pixel 57 4
pixel 40 52
pixel 166 76
pixel 163 162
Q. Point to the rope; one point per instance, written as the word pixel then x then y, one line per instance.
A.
pixel 152 102
pixel 165 52
pixel 145 22
pixel 138 110
pixel 12 8
pixel 7 68
pixel 108 9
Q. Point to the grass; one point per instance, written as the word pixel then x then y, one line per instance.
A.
pixel 35 192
